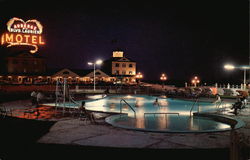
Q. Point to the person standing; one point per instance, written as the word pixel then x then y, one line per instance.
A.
pixel 218 99
pixel 39 97
pixel 33 98
pixel 156 102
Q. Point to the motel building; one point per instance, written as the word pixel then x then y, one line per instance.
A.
pixel 78 76
pixel 23 68
pixel 121 67
pixel 27 68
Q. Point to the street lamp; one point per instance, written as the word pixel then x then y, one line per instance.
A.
pixel 163 78
pixel 195 81
pixel 139 76
pixel 98 62
pixel 244 68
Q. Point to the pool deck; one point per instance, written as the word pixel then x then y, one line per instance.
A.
pixel 72 131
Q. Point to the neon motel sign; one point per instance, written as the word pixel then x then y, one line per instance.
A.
pixel 23 33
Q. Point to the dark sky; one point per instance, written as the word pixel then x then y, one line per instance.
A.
pixel 181 38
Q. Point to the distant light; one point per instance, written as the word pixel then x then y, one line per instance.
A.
pixel 139 75
pixel 98 62
pixel 90 63
pixel 229 67
pixel 128 96
pixel 245 67
pixel 163 77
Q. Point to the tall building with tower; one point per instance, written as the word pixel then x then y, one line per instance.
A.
pixel 121 67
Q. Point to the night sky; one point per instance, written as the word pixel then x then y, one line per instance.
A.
pixel 181 38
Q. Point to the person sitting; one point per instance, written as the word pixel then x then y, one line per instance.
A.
pixel 244 102
pixel 88 114
pixel 237 105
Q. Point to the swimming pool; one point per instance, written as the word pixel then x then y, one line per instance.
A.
pixel 168 115
pixel 145 104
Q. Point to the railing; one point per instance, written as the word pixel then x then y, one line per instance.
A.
pixel 222 107
pixel 72 100
pixel 196 101
pixel 161 113
pixel 128 105
pixel 217 105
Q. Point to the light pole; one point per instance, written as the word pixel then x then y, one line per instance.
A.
pixel 195 80
pixel 244 68
pixel 163 78
pixel 98 62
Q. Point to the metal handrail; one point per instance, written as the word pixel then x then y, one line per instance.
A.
pixel 162 113
pixel 196 101
pixel 220 104
pixel 71 98
pixel 128 105
pixel 223 107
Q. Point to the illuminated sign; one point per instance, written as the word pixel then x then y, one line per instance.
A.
pixel 23 33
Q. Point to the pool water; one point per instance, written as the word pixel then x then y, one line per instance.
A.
pixel 168 123
pixel 145 104
pixel 168 115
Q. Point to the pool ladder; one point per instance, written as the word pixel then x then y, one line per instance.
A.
pixel 123 100
pixel 196 102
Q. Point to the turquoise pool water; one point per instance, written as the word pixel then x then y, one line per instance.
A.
pixel 169 115
pixel 145 104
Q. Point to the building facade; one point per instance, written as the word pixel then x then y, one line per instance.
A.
pixel 121 67
pixel 25 63
pixel 80 76
pixel 27 68
pixel 22 67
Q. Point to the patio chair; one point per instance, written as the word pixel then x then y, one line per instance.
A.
pixel 86 116
pixel 5 111
pixel 83 118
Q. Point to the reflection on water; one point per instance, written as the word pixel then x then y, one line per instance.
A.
pixel 164 122
pixel 140 123
pixel 145 103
